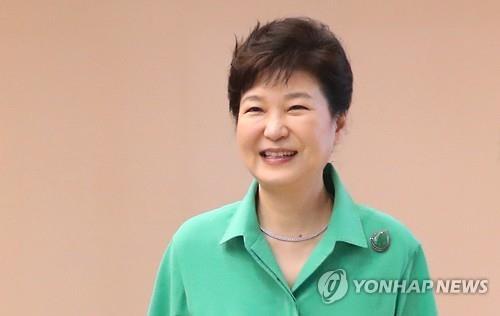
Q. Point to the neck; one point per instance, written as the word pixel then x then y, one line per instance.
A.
pixel 300 208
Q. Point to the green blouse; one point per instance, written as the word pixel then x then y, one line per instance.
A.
pixel 366 263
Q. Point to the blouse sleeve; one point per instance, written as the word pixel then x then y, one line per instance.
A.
pixel 169 296
pixel 417 302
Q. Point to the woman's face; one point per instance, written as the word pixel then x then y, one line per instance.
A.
pixel 285 133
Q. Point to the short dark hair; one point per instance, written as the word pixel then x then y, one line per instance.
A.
pixel 282 46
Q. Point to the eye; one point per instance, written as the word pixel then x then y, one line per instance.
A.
pixel 297 107
pixel 254 109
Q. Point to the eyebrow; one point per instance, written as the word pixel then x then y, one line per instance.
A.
pixel 288 96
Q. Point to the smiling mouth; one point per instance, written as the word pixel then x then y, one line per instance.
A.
pixel 278 154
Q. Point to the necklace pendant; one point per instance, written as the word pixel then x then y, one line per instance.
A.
pixel 300 238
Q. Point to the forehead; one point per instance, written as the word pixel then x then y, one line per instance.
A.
pixel 300 84
pixel 298 81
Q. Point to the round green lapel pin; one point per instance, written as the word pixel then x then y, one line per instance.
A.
pixel 380 241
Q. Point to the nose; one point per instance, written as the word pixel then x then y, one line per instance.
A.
pixel 275 128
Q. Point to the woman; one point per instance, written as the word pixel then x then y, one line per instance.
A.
pixel 296 244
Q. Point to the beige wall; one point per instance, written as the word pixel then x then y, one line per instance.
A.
pixel 114 129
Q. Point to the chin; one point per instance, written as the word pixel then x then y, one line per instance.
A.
pixel 277 177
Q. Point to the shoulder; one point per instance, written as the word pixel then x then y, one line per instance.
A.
pixel 205 228
pixel 402 239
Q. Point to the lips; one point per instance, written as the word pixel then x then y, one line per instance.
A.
pixel 277 153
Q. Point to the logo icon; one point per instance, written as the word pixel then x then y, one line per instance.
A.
pixel 332 286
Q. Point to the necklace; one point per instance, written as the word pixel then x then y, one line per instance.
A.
pixel 293 239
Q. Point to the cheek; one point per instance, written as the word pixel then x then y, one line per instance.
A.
pixel 320 136
pixel 246 135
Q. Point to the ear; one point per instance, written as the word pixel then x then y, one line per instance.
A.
pixel 340 121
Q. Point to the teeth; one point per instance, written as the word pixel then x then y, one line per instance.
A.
pixel 279 154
